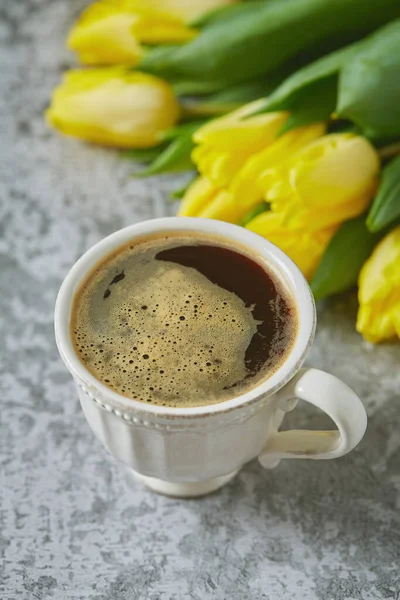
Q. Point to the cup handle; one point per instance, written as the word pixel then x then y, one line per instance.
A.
pixel 337 400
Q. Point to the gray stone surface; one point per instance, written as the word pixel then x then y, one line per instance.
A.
pixel 71 526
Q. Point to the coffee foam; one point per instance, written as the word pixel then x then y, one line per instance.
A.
pixel 160 332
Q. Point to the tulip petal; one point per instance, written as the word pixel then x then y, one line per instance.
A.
pixel 223 207
pixel 198 195
pixel 379 291
pixel 226 143
pixel 252 180
pixel 347 169
pixel 303 247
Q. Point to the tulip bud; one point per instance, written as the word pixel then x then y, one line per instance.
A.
pixel 329 181
pixel 110 32
pixel 379 291
pixel 113 107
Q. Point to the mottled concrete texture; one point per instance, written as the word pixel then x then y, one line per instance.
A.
pixel 71 526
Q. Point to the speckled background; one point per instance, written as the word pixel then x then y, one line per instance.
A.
pixel 72 526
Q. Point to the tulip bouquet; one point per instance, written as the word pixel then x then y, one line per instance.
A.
pixel 289 111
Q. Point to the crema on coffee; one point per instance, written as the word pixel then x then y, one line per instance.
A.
pixel 182 320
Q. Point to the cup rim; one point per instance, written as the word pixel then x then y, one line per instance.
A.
pixel 263 250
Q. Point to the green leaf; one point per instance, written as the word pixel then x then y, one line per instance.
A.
pixel 233 97
pixel 343 258
pixel 191 87
pixel 176 157
pixel 317 106
pixel 296 87
pixel 143 155
pixel 385 208
pixel 183 129
pixel 260 37
pixel 222 14
pixel 369 85
pixel 254 212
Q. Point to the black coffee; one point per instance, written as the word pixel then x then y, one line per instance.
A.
pixel 182 320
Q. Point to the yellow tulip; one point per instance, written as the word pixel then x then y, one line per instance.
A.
pixel 110 32
pixel 232 204
pixel 328 181
pixel 226 143
pixel 379 291
pixel 114 107
pixel 304 247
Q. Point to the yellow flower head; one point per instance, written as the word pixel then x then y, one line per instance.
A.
pixel 110 31
pixel 225 144
pixel 113 107
pixel 328 181
pixel 379 291
pixel 232 204
pixel 304 247
pixel 203 199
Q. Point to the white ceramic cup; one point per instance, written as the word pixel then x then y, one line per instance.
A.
pixel 192 451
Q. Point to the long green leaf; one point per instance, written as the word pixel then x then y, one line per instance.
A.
pixel 176 157
pixel 264 37
pixel 343 258
pixel 297 86
pixel 317 106
pixel 143 155
pixel 369 85
pixel 231 98
pixel 186 86
pixel 183 129
pixel 223 14
pixel 385 208
pixel 177 154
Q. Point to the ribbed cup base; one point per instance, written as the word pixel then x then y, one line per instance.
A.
pixel 184 489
